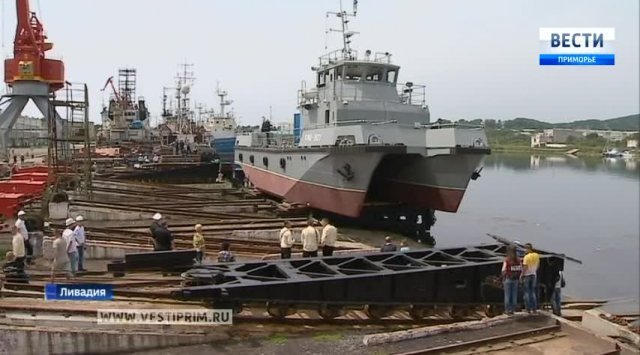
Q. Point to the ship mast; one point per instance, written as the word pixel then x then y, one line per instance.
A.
pixel 222 94
pixel 344 30
pixel 184 80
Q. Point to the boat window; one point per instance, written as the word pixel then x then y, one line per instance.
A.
pixel 321 79
pixel 352 73
pixel 377 76
pixel 391 76
pixel 326 116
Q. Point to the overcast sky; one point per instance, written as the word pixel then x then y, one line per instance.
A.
pixel 479 59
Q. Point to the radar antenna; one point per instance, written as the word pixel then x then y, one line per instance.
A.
pixel 346 34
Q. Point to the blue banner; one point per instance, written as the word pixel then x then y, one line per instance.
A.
pixel 577 59
pixel 78 292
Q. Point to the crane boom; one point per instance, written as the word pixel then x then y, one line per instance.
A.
pixel 113 87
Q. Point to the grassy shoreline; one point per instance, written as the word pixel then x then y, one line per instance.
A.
pixel 584 151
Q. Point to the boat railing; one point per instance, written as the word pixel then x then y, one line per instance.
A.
pixel 433 125
pixel 438 125
pixel 337 55
pixel 272 140
pixel 412 94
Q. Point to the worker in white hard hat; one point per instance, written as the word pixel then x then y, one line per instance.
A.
pixel 72 245
pixel 160 235
pixel 21 226
pixel 79 235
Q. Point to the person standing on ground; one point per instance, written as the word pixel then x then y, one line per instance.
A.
pixel 17 244
pixel 22 229
pixel 556 297
pixel 530 265
pixel 60 260
pixel 80 236
pixel 511 271
pixel 161 237
pixel 329 237
pixel 404 247
pixel 286 241
pixel 72 246
pixel 310 240
pixel 198 243
pixel 225 255
pixel 388 245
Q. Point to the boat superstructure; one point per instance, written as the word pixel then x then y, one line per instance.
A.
pixel 178 117
pixel 220 128
pixel 366 139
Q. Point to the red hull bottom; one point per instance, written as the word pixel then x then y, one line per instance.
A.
pixel 340 201
pixel 422 196
pixel 350 202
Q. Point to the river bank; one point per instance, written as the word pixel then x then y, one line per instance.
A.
pixel 583 151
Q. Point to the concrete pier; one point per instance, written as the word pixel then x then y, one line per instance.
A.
pixel 37 340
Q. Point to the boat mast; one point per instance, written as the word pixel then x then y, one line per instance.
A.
pixel 346 34
pixel 222 94
pixel 184 82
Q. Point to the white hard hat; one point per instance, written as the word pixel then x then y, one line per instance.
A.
pixel 79 219
pixel 157 217
pixel 69 222
pixel 21 213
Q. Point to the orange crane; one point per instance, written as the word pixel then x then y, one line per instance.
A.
pixel 113 87
pixel 29 47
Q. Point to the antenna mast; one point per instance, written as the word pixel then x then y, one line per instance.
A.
pixel 346 34
pixel 222 94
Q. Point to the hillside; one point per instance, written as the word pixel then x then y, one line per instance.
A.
pixel 625 123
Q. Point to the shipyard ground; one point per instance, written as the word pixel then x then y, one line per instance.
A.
pixel 118 215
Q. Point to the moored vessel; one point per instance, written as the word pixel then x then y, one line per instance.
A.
pixel 365 140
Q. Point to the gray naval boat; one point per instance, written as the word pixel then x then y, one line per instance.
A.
pixel 366 141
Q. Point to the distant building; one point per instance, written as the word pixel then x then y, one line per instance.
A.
pixel 561 135
pixel 28 132
pixel 632 143
pixel 539 140
pixel 614 136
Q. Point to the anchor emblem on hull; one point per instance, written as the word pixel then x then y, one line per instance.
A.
pixel 346 172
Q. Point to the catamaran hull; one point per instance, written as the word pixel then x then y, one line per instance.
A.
pixel 345 180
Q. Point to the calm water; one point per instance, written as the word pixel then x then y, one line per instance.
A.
pixel 587 208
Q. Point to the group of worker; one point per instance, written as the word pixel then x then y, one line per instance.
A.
pixel 68 247
pixel 524 272
pixel 311 239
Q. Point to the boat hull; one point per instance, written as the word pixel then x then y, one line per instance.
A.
pixel 345 180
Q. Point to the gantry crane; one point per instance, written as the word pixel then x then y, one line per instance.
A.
pixel 29 74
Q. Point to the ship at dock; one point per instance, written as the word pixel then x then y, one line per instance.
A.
pixel 365 143
pixel 126 117
pixel 220 129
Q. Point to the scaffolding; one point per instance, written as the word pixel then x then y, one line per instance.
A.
pixel 127 85
pixel 76 131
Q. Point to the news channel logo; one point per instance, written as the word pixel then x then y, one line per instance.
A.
pixel 577 46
